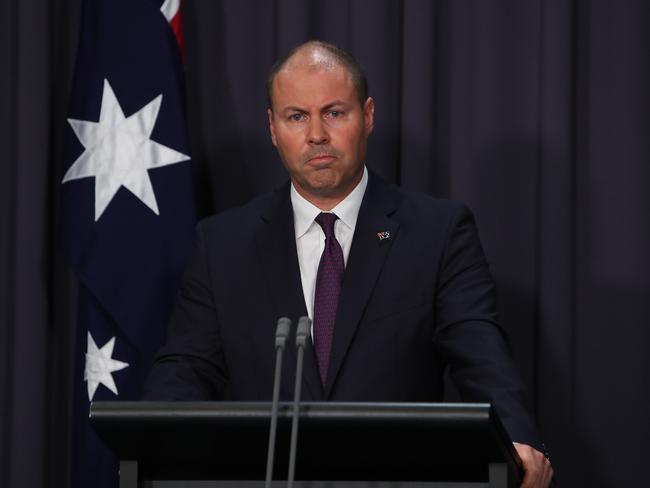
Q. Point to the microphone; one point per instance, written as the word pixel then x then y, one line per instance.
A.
pixel 302 335
pixel 281 335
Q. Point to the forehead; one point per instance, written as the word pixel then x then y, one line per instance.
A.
pixel 310 84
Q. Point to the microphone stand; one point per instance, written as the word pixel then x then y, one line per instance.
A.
pixel 302 334
pixel 281 335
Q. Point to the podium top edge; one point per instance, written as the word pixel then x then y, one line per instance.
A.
pixel 315 410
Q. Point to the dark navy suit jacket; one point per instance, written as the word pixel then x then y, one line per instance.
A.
pixel 410 305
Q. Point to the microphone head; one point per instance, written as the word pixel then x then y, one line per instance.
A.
pixel 282 331
pixel 302 331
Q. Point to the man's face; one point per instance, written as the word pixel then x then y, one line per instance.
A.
pixel 320 130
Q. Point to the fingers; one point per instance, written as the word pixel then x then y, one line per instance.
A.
pixel 538 471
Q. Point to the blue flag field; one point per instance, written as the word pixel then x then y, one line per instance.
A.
pixel 127 205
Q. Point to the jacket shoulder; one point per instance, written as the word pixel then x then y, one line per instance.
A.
pixel 419 205
pixel 238 217
pixel 409 201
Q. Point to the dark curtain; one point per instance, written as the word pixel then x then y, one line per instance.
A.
pixel 534 112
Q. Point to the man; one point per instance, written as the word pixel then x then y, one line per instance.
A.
pixel 396 283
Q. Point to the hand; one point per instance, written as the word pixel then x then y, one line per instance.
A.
pixel 538 471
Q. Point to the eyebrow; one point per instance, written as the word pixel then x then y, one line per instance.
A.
pixel 330 105
pixel 334 104
pixel 292 109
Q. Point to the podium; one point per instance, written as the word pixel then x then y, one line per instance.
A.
pixel 219 444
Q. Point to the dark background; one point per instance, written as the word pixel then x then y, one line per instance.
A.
pixel 534 112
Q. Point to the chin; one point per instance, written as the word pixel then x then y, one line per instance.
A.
pixel 323 184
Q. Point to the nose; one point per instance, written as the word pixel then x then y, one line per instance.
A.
pixel 317 133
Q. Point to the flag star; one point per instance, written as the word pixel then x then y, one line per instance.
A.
pixel 119 152
pixel 170 8
pixel 100 365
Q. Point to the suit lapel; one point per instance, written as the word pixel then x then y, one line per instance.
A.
pixel 367 256
pixel 276 245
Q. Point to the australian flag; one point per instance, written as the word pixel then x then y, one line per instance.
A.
pixel 128 209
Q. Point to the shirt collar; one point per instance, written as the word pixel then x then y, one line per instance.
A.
pixel 347 210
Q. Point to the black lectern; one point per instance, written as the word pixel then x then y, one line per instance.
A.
pixel 340 444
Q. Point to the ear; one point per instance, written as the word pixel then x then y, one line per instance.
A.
pixel 272 127
pixel 369 115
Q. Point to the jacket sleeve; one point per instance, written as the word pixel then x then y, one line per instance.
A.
pixel 468 335
pixel 191 365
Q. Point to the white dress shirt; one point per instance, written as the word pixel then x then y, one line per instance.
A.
pixel 310 238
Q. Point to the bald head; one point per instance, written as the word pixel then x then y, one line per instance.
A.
pixel 319 55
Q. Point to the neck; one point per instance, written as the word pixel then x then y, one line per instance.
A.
pixel 323 203
pixel 326 201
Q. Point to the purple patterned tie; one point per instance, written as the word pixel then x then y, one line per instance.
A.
pixel 328 289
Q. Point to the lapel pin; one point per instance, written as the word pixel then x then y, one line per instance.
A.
pixel 383 235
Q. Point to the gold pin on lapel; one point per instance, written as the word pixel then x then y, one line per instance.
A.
pixel 385 234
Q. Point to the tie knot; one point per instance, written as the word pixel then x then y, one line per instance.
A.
pixel 326 221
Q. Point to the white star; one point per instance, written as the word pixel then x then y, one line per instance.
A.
pixel 100 365
pixel 170 8
pixel 119 152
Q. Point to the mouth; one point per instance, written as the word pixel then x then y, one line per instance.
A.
pixel 321 159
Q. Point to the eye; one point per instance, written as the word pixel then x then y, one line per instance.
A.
pixel 296 117
pixel 335 114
